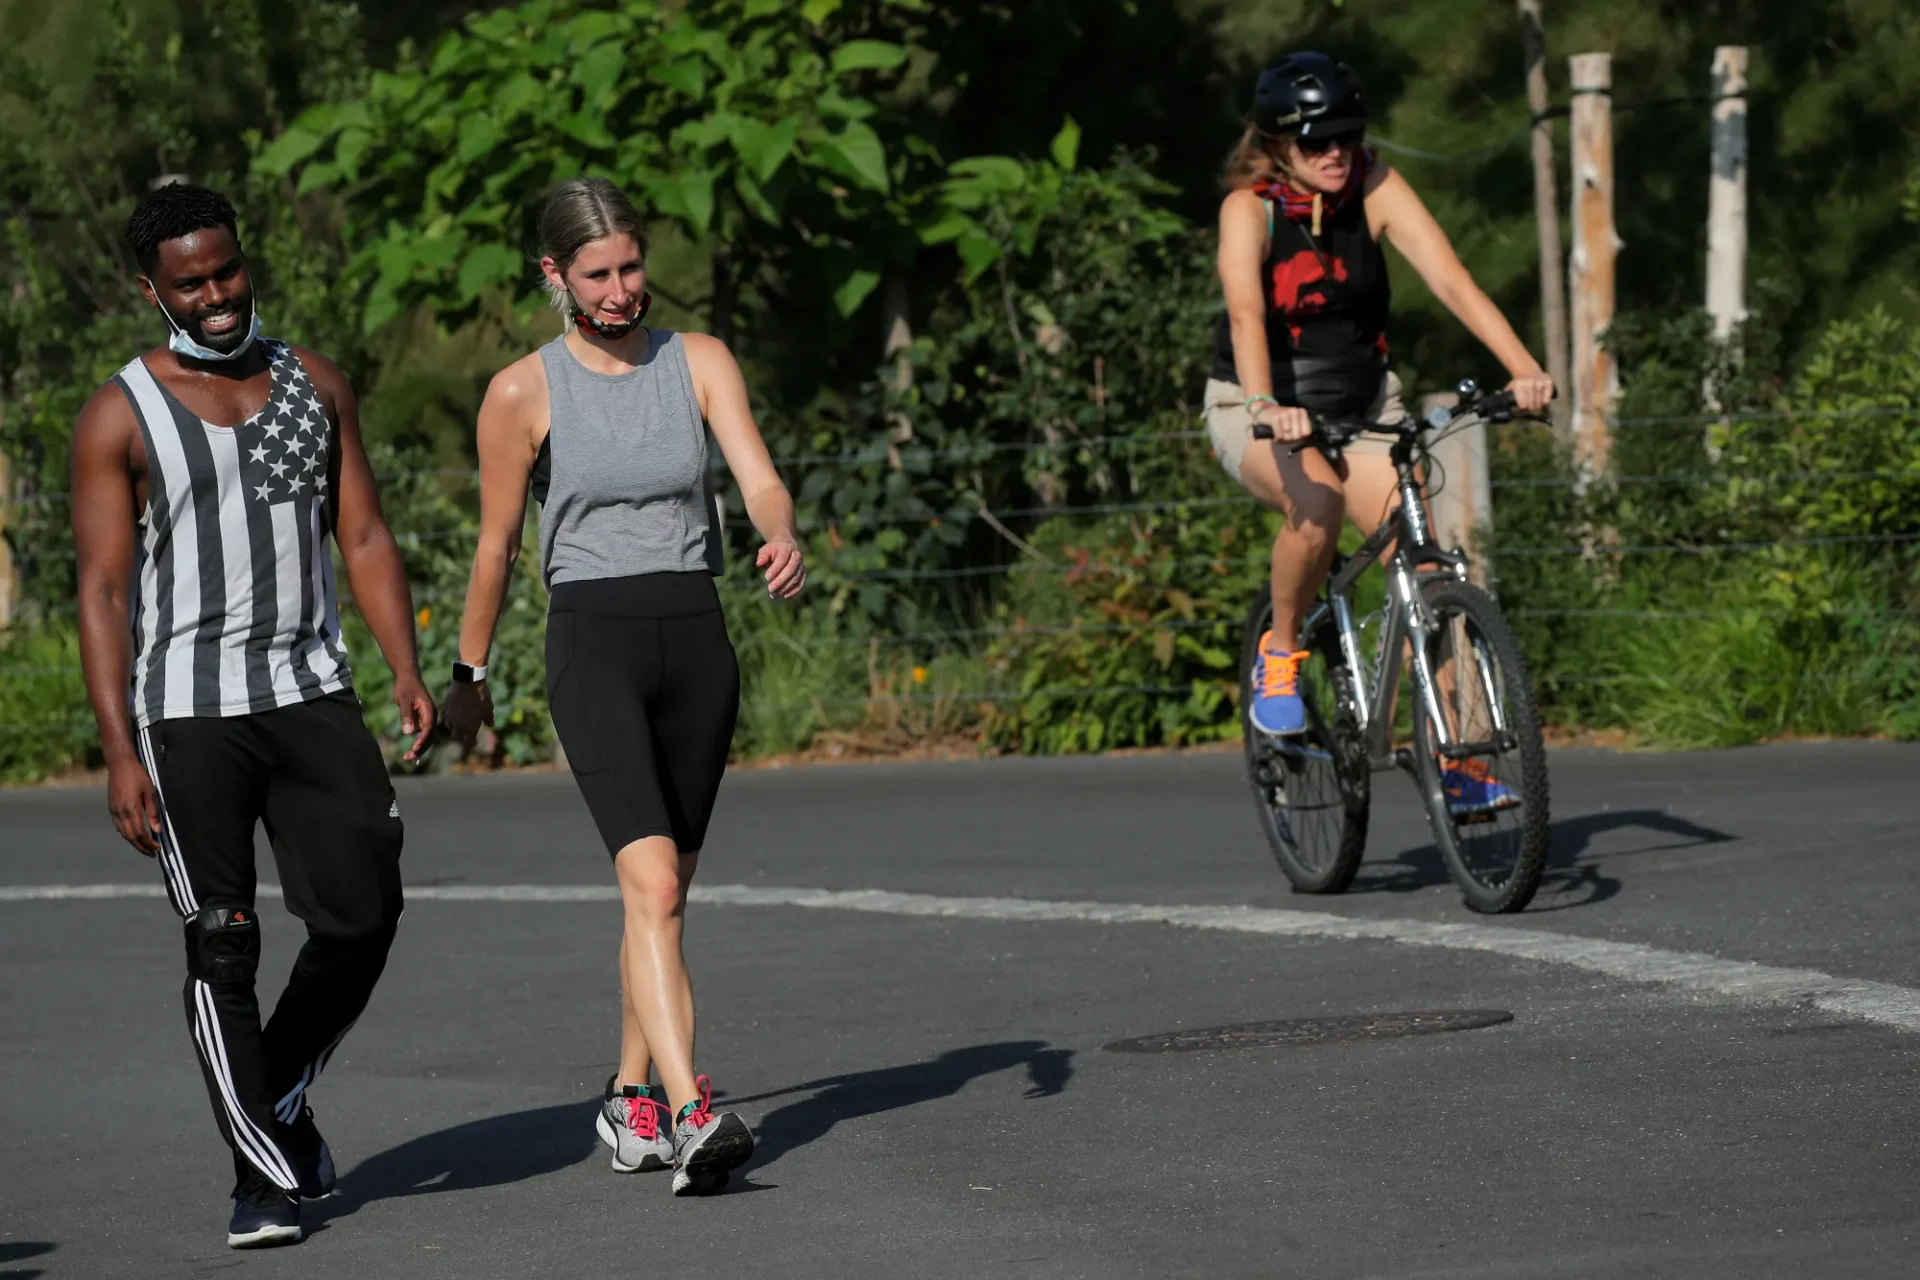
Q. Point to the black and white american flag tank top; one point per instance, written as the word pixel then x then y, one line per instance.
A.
pixel 234 608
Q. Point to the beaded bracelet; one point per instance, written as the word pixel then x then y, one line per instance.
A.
pixel 1259 400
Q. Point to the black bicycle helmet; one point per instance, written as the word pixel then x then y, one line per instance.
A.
pixel 1308 95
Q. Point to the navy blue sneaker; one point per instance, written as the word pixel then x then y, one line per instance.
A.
pixel 1277 708
pixel 263 1216
pixel 1473 792
pixel 312 1158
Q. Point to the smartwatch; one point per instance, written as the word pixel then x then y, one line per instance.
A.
pixel 467 673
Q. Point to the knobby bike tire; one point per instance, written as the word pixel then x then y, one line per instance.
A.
pixel 1497 861
pixel 1312 810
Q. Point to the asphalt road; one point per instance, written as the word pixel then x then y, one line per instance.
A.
pixel 931 1092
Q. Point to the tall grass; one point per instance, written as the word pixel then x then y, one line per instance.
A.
pixel 809 679
pixel 45 724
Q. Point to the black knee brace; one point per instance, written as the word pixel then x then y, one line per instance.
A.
pixel 223 946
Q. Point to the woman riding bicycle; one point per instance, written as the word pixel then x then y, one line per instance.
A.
pixel 1304 333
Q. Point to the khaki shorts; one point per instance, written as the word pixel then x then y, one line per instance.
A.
pixel 1230 426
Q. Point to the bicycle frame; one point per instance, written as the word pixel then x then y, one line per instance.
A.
pixel 1409 531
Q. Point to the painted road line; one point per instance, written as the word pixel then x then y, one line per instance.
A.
pixel 1878 1002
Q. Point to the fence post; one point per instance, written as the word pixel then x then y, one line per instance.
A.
pixel 896 344
pixel 1462 507
pixel 1727 193
pixel 9 580
pixel 1546 210
pixel 1596 245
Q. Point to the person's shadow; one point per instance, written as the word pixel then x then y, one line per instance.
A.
pixel 865 1093
pixel 1568 881
pixel 501 1150
pixel 16 1251
pixel 490 1152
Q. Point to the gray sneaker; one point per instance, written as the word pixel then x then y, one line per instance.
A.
pixel 633 1122
pixel 706 1147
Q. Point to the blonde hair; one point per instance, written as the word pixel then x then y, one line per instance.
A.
pixel 1262 157
pixel 1252 161
pixel 578 212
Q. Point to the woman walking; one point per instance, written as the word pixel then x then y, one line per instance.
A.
pixel 1305 283
pixel 605 425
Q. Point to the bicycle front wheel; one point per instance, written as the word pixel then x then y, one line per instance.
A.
pixel 1310 789
pixel 1487 799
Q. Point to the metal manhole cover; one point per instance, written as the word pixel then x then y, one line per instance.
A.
pixel 1311 1031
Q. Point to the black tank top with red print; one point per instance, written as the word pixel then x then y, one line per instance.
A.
pixel 1327 298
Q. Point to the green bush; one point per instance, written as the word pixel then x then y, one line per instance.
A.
pixel 46 726
pixel 1733 579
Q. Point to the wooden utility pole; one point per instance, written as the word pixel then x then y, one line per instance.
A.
pixel 1596 245
pixel 9 582
pixel 1727 193
pixel 1546 210
pixel 9 579
pixel 896 345
pixel 1462 510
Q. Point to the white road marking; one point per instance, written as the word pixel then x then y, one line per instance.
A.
pixel 59 892
pixel 1883 1003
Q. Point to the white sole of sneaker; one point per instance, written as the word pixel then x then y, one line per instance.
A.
pixel 649 1163
pixel 264 1238
pixel 705 1170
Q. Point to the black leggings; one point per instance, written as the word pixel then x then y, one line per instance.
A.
pixel 644 690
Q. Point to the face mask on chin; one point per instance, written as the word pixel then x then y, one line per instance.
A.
pixel 182 343
pixel 617 329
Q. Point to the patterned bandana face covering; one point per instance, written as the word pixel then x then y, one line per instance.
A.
pixel 1297 206
pixel 619 329
pixel 180 343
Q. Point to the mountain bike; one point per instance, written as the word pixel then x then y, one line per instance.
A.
pixel 1473 711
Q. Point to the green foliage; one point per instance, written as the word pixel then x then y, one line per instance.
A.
pixel 809 681
pixel 45 726
pixel 1137 643
pixel 1787 606
pixel 74 156
pixel 436 526
pixel 1022 386
pixel 735 118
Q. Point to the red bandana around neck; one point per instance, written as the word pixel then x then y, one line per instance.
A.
pixel 1298 206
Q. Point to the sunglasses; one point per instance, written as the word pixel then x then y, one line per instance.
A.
pixel 1315 146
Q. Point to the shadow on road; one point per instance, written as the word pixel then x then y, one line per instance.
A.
pixel 865 1093
pixel 490 1152
pixel 19 1250
pixel 1568 882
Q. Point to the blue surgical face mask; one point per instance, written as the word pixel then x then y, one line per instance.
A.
pixel 182 344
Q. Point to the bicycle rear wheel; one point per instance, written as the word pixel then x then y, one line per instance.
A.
pixel 1311 789
pixel 1496 852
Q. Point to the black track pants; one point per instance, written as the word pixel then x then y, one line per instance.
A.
pixel 312 773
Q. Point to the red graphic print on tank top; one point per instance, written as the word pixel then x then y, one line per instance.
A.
pixel 1296 292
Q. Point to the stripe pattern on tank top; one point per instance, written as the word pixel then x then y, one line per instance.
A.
pixel 234 608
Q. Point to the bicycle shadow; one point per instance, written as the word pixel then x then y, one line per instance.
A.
pixel 859 1094
pixel 1571 880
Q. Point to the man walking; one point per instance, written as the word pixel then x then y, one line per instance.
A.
pixel 208 476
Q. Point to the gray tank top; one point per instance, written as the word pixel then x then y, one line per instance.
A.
pixel 622 477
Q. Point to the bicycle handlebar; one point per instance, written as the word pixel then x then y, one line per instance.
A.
pixel 1337 433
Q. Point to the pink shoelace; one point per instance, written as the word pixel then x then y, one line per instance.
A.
pixel 700 1114
pixel 643 1118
